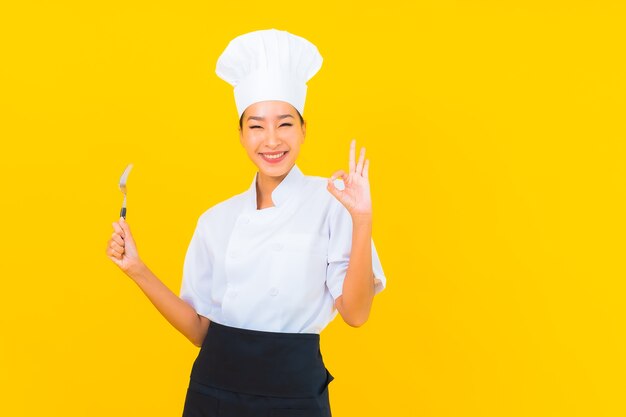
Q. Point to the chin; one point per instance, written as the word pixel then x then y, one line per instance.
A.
pixel 275 171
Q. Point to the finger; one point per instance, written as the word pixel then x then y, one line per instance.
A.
pixel 344 179
pixel 351 164
pixel 339 174
pixel 334 190
pixel 112 253
pixel 118 229
pixel 117 238
pixel 116 247
pixel 116 260
pixel 366 168
pixel 359 165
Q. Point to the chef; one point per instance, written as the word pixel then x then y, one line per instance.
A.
pixel 267 269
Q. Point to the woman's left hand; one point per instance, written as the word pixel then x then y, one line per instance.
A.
pixel 356 195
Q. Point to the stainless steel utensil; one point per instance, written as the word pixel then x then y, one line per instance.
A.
pixel 123 179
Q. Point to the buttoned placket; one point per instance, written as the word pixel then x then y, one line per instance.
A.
pixel 250 219
pixel 235 252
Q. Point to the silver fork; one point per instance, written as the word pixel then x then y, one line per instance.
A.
pixel 123 179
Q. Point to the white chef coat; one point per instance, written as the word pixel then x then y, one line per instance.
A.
pixel 278 269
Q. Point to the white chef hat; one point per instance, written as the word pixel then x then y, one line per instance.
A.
pixel 269 65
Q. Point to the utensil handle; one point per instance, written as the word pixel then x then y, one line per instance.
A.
pixel 123 213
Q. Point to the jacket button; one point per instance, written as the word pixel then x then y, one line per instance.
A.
pixel 273 291
pixel 232 294
pixel 233 254
pixel 245 220
pixel 277 246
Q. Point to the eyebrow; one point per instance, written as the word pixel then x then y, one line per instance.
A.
pixel 282 116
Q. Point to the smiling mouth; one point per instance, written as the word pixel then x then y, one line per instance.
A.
pixel 274 156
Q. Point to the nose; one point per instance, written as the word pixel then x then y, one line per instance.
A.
pixel 273 138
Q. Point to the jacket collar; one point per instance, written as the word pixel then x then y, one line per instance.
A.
pixel 287 187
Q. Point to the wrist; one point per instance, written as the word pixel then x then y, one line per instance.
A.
pixel 137 271
pixel 362 220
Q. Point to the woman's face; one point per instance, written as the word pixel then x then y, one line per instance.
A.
pixel 271 133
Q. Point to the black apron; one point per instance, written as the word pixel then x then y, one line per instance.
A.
pixel 251 373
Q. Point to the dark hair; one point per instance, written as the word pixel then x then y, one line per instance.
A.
pixel 241 119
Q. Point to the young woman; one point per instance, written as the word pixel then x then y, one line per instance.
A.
pixel 268 269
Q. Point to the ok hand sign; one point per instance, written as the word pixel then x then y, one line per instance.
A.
pixel 356 195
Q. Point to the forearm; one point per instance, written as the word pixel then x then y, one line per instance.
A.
pixel 175 310
pixel 358 286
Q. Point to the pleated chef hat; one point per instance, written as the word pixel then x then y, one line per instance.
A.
pixel 269 65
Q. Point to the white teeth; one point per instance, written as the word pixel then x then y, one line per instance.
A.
pixel 278 155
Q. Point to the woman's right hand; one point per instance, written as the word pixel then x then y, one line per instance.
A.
pixel 122 249
pixel 123 252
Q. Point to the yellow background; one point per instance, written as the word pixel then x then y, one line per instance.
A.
pixel 496 136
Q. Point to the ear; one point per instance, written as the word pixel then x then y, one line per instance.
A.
pixel 240 127
pixel 303 131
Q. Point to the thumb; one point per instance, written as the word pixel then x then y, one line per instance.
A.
pixel 126 228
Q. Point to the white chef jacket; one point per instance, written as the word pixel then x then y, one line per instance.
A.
pixel 278 269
